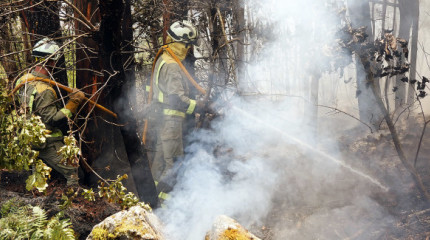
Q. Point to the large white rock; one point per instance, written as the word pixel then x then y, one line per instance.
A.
pixel 226 228
pixel 136 223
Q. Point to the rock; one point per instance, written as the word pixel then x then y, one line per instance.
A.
pixel 225 228
pixel 136 223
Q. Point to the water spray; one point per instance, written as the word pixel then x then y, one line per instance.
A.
pixel 312 149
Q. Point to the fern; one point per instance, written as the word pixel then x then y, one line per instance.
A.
pixel 39 222
pixel 9 206
pixel 28 222
pixel 17 224
pixel 7 233
pixel 58 228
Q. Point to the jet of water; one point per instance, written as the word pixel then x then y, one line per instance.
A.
pixel 312 149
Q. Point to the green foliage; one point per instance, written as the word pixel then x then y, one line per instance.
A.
pixel 28 222
pixel 58 228
pixel 18 133
pixel 70 151
pixel 116 192
pixel 2 73
pixel 68 198
pixel 70 60
pixel 9 206
pixel 89 195
pixel 112 190
pixel 39 177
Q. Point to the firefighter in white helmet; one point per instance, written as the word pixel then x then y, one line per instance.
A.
pixel 40 98
pixel 171 95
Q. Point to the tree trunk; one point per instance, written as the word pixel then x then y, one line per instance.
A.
pixel 89 78
pixel 404 31
pixel 9 62
pixel 116 150
pixel 135 150
pixel 409 14
pixel 313 106
pixel 166 18
pixel 220 75
pixel 359 12
pixel 414 14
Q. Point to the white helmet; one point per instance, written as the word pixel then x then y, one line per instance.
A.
pixel 46 47
pixel 183 31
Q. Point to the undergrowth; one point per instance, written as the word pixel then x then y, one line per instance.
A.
pixel 19 221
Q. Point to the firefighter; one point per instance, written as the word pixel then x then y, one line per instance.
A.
pixel 173 101
pixel 40 98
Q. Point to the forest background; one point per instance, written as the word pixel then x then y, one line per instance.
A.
pixel 258 56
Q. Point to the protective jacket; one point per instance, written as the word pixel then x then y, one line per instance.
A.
pixel 40 98
pixel 171 95
pixel 172 88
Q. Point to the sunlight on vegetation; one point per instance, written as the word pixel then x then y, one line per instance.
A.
pixel 70 59
pixel 19 134
pixel 2 73
pixel 19 221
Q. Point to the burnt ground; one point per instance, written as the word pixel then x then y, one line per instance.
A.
pixel 83 214
pixel 360 210
pixel 332 212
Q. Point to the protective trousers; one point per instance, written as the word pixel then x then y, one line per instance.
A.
pixel 50 155
pixel 169 147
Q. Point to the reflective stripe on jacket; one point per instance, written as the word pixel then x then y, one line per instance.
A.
pixel 171 88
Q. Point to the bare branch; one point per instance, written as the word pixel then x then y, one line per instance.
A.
pixel 338 110
pixel 87 23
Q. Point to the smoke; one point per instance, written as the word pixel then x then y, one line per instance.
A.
pixel 247 166
pixel 261 163
pixel 226 172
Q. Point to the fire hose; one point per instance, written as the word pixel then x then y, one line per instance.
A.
pixel 65 88
pixel 187 74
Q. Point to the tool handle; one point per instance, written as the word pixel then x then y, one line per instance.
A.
pixel 65 88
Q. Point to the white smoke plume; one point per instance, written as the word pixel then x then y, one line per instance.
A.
pixel 260 159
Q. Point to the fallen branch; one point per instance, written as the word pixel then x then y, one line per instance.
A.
pixel 338 110
pixel 419 213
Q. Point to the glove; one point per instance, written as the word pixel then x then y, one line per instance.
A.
pixel 77 96
pixel 75 99
pixel 200 106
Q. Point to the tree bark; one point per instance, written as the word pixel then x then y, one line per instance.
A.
pixel 117 55
pixel 89 77
pixel 414 14
pixel 313 108
pixel 136 152
pixel 166 19
pixel 220 76
pixel 409 15
pixel 359 12
pixel 9 62
pixel 115 150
